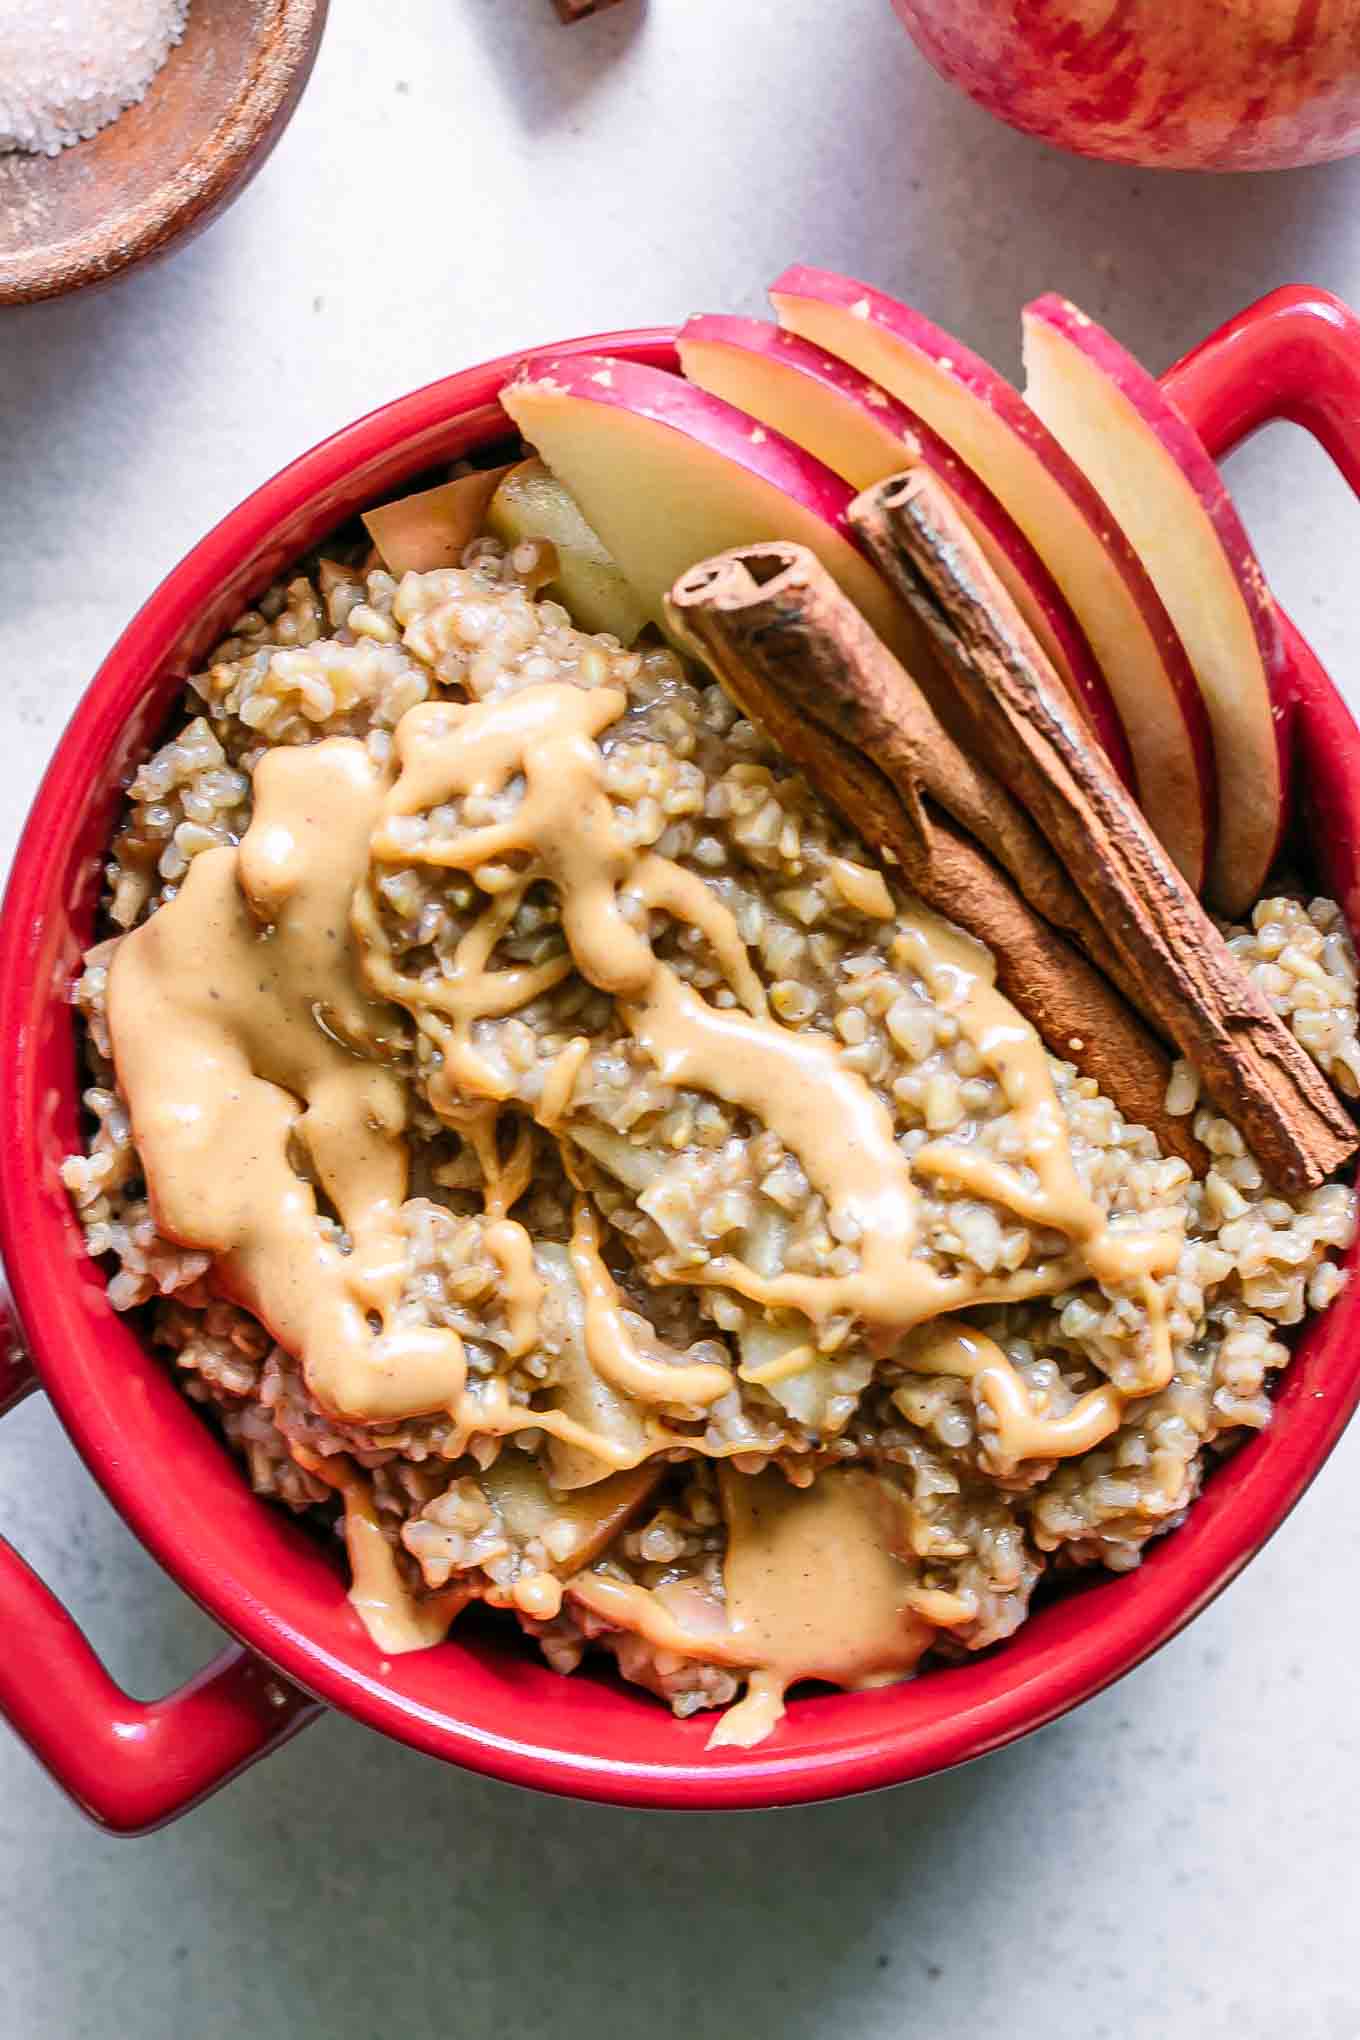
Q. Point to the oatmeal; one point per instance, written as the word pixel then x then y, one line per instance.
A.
pixel 562 1155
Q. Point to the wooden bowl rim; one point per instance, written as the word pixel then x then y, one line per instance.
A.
pixel 199 185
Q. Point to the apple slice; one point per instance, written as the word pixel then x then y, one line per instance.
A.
pixel 532 504
pixel 993 430
pixel 1159 482
pixel 434 528
pixel 668 475
pixel 588 1519
pixel 864 435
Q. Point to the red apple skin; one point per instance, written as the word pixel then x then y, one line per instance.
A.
pixel 718 430
pixel 1167 84
pixel 668 400
pixel 991 391
pixel 1144 394
pixel 996 529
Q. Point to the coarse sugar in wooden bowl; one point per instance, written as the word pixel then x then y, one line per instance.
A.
pixel 169 163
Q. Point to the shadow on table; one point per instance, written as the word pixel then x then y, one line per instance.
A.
pixel 923 194
pixel 547 68
pixel 73 378
pixel 889 174
pixel 349 1886
pixel 544 1918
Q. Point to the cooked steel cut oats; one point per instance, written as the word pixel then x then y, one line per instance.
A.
pixel 719 1225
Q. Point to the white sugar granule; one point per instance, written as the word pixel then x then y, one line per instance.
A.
pixel 69 67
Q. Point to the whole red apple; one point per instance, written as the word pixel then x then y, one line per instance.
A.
pixel 1171 84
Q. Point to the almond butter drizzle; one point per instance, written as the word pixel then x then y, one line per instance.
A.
pixel 818 1586
pixel 242 1028
pixel 797 1084
pixel 611 1348
pixel 393 1616
pixel 512 1250
pixel 1022 1431
pixel 817 1581
pixel 656 1614
pixel 555 1099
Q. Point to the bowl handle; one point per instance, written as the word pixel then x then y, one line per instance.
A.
pixel 1293 355
pixel 131 1765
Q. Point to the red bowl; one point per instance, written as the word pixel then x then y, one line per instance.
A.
pixel 480 1699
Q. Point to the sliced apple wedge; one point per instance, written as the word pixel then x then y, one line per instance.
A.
pixel 587 1519
pixel 433 528
pixel 992 429
pixel 668 475
pixel 532 504
pixel 1170 500
pixel 864 435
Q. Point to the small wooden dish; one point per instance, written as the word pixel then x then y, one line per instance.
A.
pixel 165 167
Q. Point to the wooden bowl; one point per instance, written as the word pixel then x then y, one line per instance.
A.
pixel 165 167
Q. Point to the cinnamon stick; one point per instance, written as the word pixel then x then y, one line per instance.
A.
pixel 1166 954
pixel 826 662
pixel 791 650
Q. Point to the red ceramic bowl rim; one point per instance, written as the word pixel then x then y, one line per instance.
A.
pixel 479 1702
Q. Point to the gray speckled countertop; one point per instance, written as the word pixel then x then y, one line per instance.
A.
pixel 1178 1859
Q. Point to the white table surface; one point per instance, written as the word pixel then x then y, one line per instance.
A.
pixel 1179 1858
